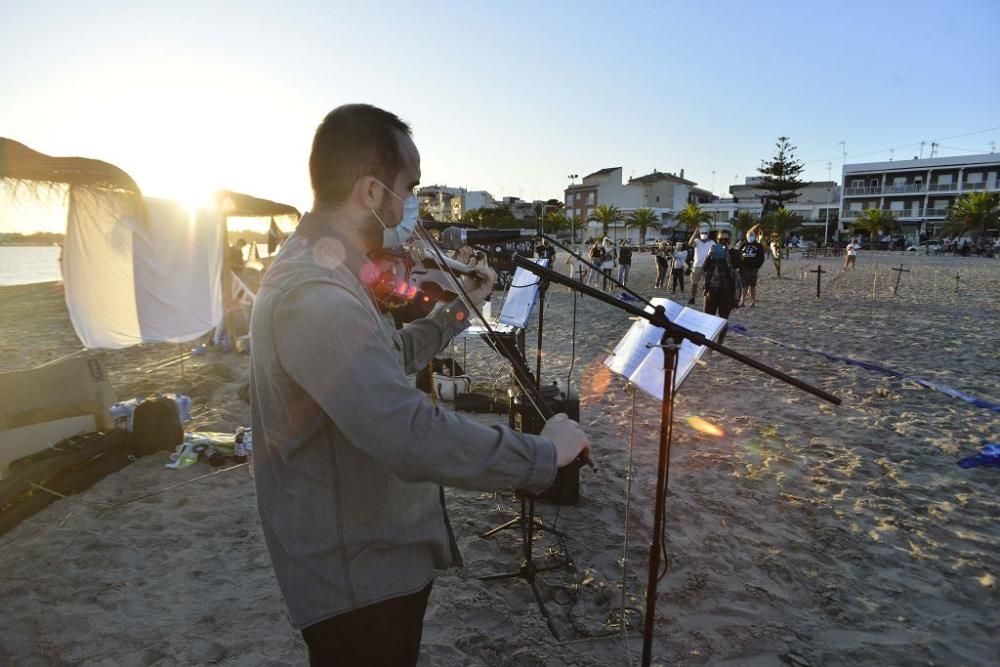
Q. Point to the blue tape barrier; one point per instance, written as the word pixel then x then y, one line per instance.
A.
pixel 944 389
pixel 989 456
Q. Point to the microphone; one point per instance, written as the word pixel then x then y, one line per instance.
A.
pixel 454 238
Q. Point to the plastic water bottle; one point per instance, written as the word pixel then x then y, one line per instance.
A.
pixel 183 406
pixel 239 448
pixel 248 444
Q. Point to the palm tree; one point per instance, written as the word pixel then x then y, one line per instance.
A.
pixel 643 218
pixel 554 221
pixel 607 215
pixel 577 224
pixel 782 221
pixel 743 221
pixel 974 213
pixel 779 223
pixel 875 220
pixel 692 216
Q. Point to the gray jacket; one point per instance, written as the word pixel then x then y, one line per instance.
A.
pixel 348 454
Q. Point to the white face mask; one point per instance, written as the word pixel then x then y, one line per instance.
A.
pixel 751 238
pixel 394 237
pixel 703 236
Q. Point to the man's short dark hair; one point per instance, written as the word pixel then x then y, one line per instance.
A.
pixel 354 140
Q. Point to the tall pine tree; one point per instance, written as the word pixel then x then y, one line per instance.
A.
pixel 780 176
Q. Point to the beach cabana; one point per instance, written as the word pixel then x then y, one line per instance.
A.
pixel 135 269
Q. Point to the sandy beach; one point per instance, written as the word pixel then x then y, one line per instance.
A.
pixel 806 534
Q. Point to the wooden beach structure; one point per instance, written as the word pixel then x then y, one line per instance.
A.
pixel 56 435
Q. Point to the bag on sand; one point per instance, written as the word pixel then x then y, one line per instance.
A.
pixel 447 377
pixel 156 426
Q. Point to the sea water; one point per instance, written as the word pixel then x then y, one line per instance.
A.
pixel 26 264
pixel 23 265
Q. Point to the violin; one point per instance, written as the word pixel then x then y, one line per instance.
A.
pixel 410 286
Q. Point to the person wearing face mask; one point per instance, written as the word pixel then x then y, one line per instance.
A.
pixel 720 282
pixel 752 255
pixel 679 257
pixel 349 456
pixel 700 245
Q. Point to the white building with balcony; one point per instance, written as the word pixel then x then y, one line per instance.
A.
pixel 818 202
pixel 916 192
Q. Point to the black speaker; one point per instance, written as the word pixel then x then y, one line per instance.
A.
pixel 565 490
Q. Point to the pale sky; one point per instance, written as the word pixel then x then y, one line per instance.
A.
pixel 509 97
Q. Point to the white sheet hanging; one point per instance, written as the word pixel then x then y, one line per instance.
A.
pixel 129 282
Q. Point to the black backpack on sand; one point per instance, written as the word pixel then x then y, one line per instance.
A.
pixel 156 427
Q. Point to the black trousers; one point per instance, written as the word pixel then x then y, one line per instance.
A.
pixel 677 278
pixel 719 303
pixel 661 272
pixel 387 633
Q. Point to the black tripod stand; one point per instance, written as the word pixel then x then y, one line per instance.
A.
pixel 529 418
pixel 528 569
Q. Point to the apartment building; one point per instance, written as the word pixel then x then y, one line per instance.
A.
pixel 469 200
pixel 447 204
pixel 666 193
pixel 817 203
pixel 437 200
pixel 916 192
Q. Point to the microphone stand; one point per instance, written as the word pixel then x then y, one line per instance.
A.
pixel 531 387
pixel 672 337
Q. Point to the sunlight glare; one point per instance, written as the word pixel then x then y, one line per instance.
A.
pixel 704 426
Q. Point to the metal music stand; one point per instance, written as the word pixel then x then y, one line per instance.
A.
pixel 673 336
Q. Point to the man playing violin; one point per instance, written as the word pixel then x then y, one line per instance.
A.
pixel 349 456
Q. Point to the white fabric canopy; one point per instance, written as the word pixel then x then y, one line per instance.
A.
pixel 128 281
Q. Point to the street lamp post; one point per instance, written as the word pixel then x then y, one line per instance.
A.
pixel 572 218
pixel 826 216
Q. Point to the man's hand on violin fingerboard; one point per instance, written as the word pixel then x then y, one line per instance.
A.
pixel 483 285
pixel 463 254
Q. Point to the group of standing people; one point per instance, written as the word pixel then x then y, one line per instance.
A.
pixel 605 255
pixel 714 265
pixel 670 260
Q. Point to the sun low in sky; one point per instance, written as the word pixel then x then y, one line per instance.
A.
pixel 189 97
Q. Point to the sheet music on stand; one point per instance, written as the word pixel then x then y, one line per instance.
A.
pixel 518 303
pixel 642 365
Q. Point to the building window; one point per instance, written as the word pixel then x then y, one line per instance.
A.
pixel 590 198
